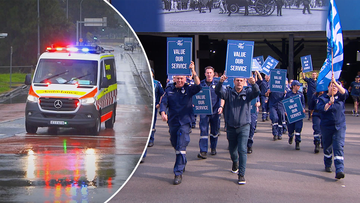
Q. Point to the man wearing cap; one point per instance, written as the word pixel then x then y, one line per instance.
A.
pixel 354 90
pixel 178 99
pixel 311 84
pixel 295 126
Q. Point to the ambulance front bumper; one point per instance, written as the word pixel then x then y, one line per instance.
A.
pixel 84 117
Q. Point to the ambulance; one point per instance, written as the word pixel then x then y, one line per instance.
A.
pixel 72 86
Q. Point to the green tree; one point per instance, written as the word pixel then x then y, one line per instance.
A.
pixel 19 18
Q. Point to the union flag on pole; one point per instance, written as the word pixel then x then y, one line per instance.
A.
pixel 335 49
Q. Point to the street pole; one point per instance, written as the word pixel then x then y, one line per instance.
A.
pixel 80 20
pixel 11 52
pixel 38 27
pixel 67 9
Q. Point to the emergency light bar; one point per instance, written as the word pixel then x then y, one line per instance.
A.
pixel 77 49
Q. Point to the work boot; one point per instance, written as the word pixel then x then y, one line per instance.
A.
pixel 340 175
pixel 202 155
pixel 291 139
pixel 213 151
pixel 297 146
pixel 328 169
pixel 317 148
pixel 177 179
pixel 249 150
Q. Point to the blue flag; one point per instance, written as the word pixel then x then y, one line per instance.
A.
pixel 335 49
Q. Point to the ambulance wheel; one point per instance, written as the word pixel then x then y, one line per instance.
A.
pixel 30 129
pixel 110 123
pixel 97 127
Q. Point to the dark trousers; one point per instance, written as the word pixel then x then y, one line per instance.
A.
pixel 252 129
pixel 180 138
pixel 295 127
pixel 214 121
pixel 333 142
pixel 317 131
pixel 237 138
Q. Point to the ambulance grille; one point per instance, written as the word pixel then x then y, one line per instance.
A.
pixel 58 104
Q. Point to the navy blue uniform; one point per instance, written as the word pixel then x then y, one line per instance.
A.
pixel 193 116
pixel 277 113
pixel 296 126
pixel 333 127
pixel 213 120
pixel 159 91
pixel 178 101
pixel 264 86
pixel 316 120
pixel 254 116
pixel 311 83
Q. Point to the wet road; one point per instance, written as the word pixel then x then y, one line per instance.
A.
pixel 66 165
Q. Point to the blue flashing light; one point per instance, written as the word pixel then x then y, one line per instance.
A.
pixel 76 49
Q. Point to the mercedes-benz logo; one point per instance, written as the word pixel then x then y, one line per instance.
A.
pixel 58 104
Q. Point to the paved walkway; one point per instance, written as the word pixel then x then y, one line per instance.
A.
pixel 276 172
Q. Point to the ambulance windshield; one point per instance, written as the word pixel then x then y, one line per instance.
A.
pixel 63 71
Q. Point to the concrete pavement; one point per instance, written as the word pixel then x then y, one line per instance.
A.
pixel 276 172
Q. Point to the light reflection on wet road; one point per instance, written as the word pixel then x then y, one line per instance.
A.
pixel 66 165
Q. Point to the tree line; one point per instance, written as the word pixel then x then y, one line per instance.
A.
pixel 19 19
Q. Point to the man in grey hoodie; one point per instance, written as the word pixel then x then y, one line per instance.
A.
pixel 238 119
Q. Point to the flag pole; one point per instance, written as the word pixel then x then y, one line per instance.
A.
pixel 332 67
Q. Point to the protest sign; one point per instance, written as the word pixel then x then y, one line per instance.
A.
pixel 255 66
pixel 239 57
pixel 179 53
pixel 278 80
pixel 293 109
pixel 306 63
pixel 270 63
pixel 260 60
pixel 202 102
pixel 229 82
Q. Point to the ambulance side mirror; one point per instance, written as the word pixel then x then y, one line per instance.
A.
pixel 28 79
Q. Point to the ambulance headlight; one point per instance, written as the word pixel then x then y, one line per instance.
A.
pixel 88 101
pixel 31 98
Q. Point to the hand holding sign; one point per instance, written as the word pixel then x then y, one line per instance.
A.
pixel 251 80
pixel 223 77
pixel 192 66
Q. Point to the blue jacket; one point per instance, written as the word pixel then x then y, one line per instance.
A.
pixel 311 86
pixel 237 105
pixel 159 91
pixel 263 85
pixel 179 103
pixel 335 115
pixel 215 100
pixel 292 94
pixel 313 102
pixel 275 98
